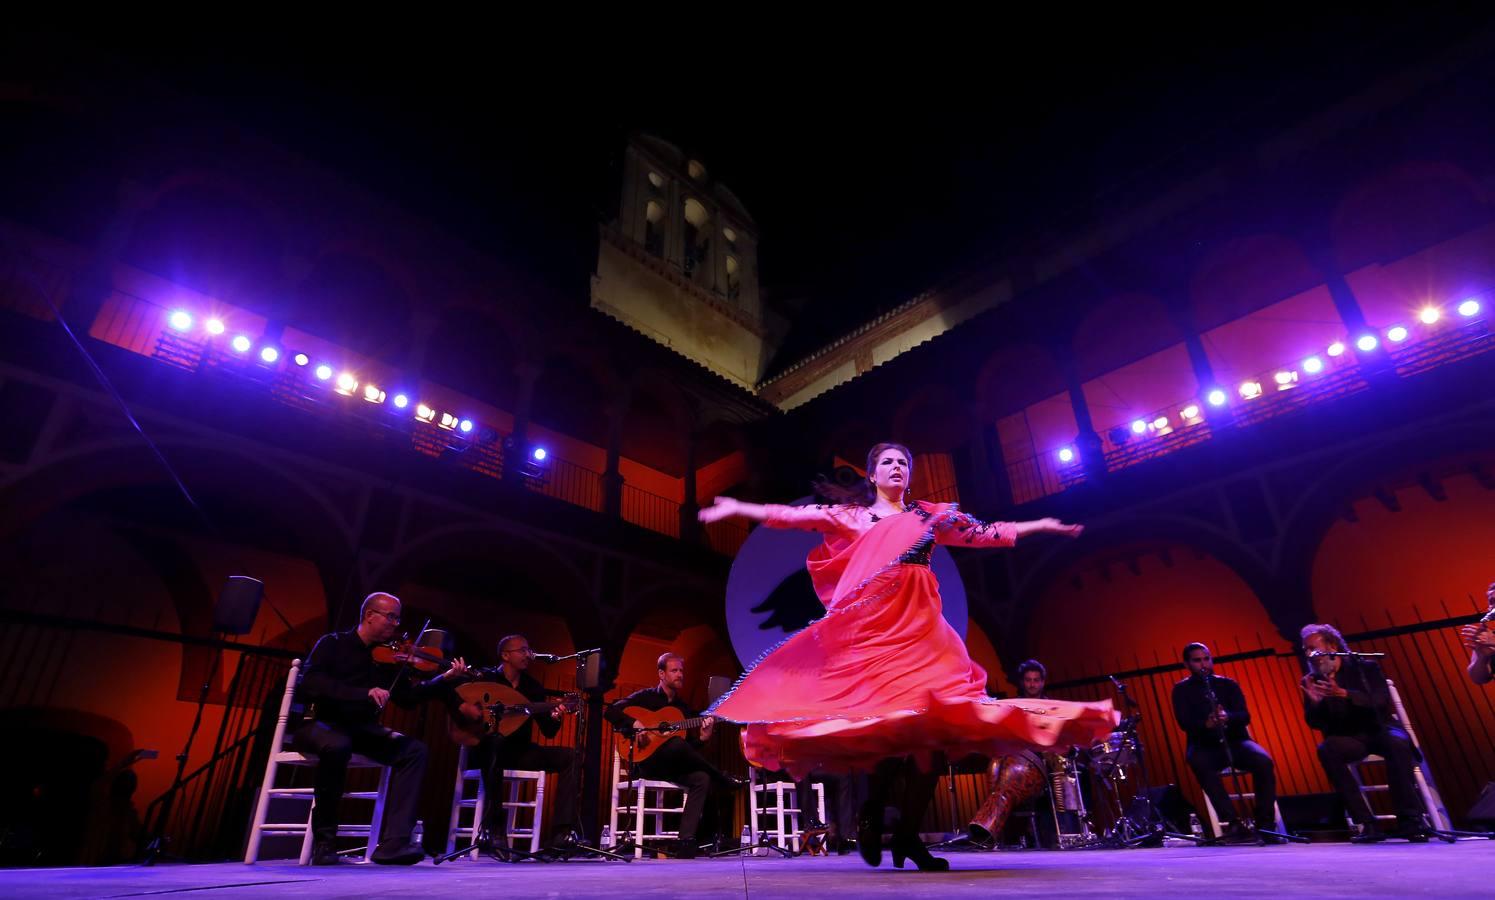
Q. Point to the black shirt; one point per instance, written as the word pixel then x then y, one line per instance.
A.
pixel 1191 706
pixel 337 677
pixel 1360 712
pixel 531 689
pixel 652 699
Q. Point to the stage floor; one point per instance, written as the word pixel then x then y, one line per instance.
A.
pixel 1318 870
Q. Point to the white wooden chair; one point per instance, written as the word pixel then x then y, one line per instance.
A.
pixel 282 757
pixel 782 809
pixel 515 779
pixel 640 805
pixel 1213 814
pixel 1432 803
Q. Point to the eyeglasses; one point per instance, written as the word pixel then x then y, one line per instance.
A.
pixel 525 650
pixel 393 617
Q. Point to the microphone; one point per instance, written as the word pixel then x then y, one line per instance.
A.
pixel 1318 653
pixel 545 657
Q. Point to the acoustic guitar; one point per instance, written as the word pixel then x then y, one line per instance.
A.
pixel 502 711
pixel 656 728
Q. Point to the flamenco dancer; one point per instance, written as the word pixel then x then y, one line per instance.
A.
pixel 882 682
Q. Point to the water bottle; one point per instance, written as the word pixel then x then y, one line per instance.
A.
pixel 1194 827
pixel 607 836
pixel 746 838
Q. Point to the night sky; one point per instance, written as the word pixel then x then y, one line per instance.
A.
pixel 874 168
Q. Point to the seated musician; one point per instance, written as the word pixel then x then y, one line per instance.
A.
pixel 1347 699
pixel 345 690
pixel 1479 640
pixel 678 759
pixel 1016 780
pixel 495 753
pixel 1031 679
pixel 1217 738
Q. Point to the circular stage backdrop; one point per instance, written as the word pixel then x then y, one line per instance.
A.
pixel 769 594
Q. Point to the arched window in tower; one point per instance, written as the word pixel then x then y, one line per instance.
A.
pixel 656 183
pixel 654 228
pixel 697 249
pixel 734 278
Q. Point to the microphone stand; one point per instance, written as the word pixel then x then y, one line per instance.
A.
pixel 1124 822
pixel 1235 773
pixel 577 756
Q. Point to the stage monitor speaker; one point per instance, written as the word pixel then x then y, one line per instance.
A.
pixel 717 685
pixel 1483 809
pixel 238 604
pixel 1312 812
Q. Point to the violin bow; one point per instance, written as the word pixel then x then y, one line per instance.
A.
pixel 405 666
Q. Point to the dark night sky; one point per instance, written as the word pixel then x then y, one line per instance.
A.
pixel 872 173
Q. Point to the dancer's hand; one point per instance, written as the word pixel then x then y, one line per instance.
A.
pixel 720 508
pixel 1054 526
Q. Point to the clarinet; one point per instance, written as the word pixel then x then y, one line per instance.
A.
pixel 1214 704
pixel 1483 623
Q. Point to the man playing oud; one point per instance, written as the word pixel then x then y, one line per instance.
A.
pixel 495 753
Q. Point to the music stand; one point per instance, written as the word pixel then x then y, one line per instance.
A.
pixel 563 852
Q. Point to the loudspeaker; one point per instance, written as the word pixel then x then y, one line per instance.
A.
pixel 1483 809
pixel 238 604
pixel 1312 812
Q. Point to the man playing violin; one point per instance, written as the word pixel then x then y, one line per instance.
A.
pixel 495 752
pixel 348 689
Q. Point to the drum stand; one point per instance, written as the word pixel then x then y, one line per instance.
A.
pixel 958 839
pixel 1126 832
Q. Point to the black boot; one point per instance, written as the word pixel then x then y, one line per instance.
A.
pixel 398 853
pixel 906 845
pixel 324 853
pixel 1369 834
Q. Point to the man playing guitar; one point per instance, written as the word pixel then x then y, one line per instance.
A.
pixel 672 753
pixel 493 752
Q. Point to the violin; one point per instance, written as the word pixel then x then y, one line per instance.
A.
pixel 426 660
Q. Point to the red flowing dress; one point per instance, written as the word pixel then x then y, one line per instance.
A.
pixel 882 673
